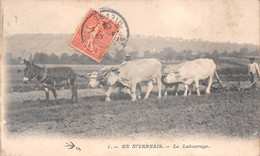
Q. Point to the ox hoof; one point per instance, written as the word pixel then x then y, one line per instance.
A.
pixel 133 99
pixel 185 95
pixel 108 99
pixel 139 97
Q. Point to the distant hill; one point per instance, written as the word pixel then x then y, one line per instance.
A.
pixel 21 45
pixel 157 44
pixel 24 44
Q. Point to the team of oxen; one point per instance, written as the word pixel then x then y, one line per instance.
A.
pixel 128 76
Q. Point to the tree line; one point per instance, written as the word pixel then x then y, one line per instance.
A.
pixel 167 54
pixel 64 58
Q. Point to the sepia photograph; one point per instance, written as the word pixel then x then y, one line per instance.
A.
pixel 117 77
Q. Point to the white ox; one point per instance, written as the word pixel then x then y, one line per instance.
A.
pixel 192 71
pixel 175 85
pixel 99 78
pixel 133 72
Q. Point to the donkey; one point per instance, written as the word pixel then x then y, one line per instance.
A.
pixel 51 78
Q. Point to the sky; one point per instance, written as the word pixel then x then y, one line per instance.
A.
pixel 213 20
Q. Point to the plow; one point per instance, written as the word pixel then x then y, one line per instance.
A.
pixel 231 85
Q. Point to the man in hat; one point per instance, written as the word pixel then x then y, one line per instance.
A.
pixel 253 72
pixel 127 58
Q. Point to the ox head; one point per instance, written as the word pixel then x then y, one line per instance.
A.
pixel 165 72
pixel 113 76
pixel 100 78
pixel 172 77
pixel 29 72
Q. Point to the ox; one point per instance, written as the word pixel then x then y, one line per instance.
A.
pixel 175 85
pixel 193 71
pixel 133 72
pixel 100 79
pixel 52 78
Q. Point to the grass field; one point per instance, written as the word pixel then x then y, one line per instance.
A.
pixel 228 113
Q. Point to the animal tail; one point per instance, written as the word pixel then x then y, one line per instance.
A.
pixel 219 81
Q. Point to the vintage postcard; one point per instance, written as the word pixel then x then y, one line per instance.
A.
pixel 118 77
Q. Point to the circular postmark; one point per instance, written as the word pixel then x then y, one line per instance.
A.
pixel 96 26
pixel 122 36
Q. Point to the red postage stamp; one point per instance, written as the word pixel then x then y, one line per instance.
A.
pixel 94 35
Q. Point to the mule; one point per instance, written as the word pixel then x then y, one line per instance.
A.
pixel 52 78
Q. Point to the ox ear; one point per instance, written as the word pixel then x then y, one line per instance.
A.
pixel 176 72
pixel 114 69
